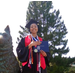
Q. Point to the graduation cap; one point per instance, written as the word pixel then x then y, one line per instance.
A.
pixel 31 22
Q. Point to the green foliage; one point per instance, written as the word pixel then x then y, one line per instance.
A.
pixel 59 65
pixel 71 70
pixel 71 60
pixel 22 33
pixel 55 69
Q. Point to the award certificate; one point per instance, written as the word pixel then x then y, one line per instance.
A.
pixel 43 46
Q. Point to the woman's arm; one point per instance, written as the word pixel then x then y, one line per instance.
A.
pixel 22 51
pixel 47 58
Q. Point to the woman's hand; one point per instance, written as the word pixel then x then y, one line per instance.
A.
pixel 43 53
pixel 34 43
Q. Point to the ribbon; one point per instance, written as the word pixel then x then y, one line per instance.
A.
pixel 38 55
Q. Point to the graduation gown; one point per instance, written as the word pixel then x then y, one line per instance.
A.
pixel 23 52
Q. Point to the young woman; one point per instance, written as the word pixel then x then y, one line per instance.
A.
pixel 32 61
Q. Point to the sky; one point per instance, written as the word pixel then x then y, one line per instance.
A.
pixel 13 13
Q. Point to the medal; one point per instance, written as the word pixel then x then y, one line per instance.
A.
pixel 35 50
pixel 35 39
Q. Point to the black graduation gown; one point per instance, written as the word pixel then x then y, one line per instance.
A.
pixel 23 52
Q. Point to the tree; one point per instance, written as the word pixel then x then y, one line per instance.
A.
pixel 22 33
pixel 52 28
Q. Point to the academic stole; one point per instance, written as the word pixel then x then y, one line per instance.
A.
pixel 30 56
pixel 38 56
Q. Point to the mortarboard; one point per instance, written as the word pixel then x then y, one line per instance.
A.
pixel 31 22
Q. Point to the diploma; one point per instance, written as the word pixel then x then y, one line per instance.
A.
pixel 43 46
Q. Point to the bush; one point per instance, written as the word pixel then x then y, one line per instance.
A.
pixel 56 69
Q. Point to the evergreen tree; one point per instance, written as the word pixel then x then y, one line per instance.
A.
pixel 51 26
pixel 23 33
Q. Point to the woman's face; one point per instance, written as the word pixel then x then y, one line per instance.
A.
pixel 33 28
